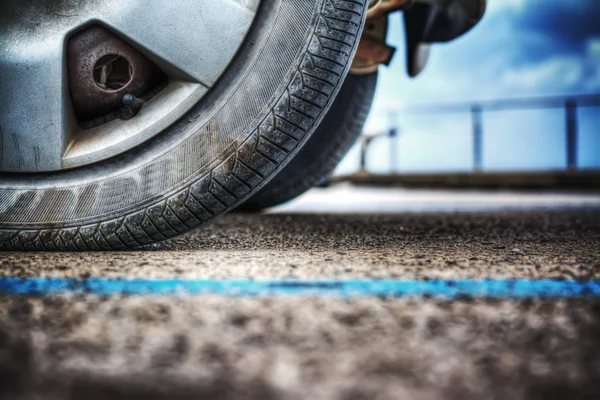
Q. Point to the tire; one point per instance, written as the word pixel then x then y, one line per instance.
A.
pixel 332 140
pixel 254 120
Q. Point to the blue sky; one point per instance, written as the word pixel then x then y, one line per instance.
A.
pixel 522 48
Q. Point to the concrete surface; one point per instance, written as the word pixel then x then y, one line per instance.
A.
pixel 346 198
pixel 88 347
pixel 435 245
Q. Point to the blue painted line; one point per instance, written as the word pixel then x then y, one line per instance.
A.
pixel 344 288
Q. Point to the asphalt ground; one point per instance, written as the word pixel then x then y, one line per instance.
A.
pixel 86 346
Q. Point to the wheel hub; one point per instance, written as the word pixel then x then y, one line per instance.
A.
pixel 102 68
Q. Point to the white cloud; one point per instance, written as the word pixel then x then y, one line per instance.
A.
pixel 559 72
pixel 569 72
pixel 593 48
pixel 593 51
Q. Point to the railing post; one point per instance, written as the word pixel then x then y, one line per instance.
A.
pixel 364 145
pixel 393 138
pixel 477 126
pixel 571 126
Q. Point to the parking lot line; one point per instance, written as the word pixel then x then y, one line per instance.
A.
pixel 345 288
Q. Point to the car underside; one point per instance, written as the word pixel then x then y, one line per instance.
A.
pixel 127 122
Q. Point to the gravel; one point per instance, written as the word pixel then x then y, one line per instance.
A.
pixel 141 347
pixel 409 246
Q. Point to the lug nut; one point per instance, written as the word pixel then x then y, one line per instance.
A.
pixel 133 106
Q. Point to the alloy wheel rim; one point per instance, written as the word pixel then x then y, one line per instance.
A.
pixel 191 42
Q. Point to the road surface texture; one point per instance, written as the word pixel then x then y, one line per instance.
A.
pixel 76 346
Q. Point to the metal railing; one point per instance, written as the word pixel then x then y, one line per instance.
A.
pixel 477 109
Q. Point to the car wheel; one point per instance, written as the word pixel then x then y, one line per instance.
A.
pixel 334 137
pixel 128 123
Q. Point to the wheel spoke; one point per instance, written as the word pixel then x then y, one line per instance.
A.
pixel 34 111
pixel 190 39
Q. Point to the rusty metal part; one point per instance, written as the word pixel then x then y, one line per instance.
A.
pixel 382 7
pixel 373 50
pixel 425 21
pixel 102 68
